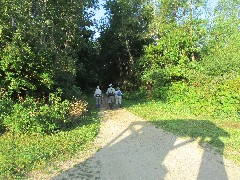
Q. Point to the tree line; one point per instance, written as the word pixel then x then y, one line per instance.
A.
pixel 172 50
pixel 177 51
pixel 44 45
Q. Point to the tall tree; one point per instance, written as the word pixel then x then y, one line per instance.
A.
pixel 178 34
pixel 123 38
pixel 39 43
pixel 224 41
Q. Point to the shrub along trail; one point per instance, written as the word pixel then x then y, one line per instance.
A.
pixel 133 149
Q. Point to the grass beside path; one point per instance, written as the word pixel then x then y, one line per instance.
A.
pixel 21 154
pixel 221 134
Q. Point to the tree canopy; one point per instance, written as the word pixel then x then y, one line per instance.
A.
pixel 47 45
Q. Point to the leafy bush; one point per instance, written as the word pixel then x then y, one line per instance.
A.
pixel 77 109
pixel 22 153
pixel 156 77
pixel 135 95
pixel 6 105
pixel 227 94
pixel 71 92
pixel 31 143
pixel 214 96
pixel 31 115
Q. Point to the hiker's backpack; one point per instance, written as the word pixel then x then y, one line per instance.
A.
pixel 119 93
pixel 111 93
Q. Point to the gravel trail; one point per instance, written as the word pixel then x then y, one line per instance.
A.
pixel 133 149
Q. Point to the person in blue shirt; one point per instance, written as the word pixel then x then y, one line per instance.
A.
pixel 118 97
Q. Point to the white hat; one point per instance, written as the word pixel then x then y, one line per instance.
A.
pixel 110 84
pixel 98 87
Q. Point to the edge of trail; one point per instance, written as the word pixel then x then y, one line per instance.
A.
pixel 129 147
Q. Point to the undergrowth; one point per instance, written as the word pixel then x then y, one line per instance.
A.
pixel 21 153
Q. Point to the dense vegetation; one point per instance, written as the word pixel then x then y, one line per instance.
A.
pixel 45 47
pixel 22 153
pixel 181 53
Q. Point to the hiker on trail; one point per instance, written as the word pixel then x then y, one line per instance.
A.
pixel 110 93
pixel 118 97
pixel 98 96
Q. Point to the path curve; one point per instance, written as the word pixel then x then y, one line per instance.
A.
pixel 133 149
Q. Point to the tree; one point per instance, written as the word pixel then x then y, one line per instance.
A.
pixel 123 38
pixel 178 35
pixel 223 44
pixel 40 41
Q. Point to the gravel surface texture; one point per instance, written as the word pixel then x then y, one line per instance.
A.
pixel 129 148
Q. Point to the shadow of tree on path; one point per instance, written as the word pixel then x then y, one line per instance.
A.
pixel 208 134
pixel 204 130
pixel 141 151
pixel 126 155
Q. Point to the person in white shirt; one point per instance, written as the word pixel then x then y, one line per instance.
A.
pixel 110 93
pixel 98 95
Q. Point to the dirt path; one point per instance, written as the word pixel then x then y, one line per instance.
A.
pixel 133 149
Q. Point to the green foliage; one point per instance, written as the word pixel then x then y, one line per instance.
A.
pixel 39 47
pixel 5 108
pixel 178 37
pixel 22 73
pixel 174 48
pixel 30 115
pixel 218 97
pixel 222 54
pixel 122 40
pixel 140 94
pixel 23 153
pixel 185 66
pixel 223 60
pixel 190 63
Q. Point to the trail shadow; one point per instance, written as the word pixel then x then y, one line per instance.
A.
pixel 208 134
pixel 204 130
pixel 135 153
pixel 144 152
